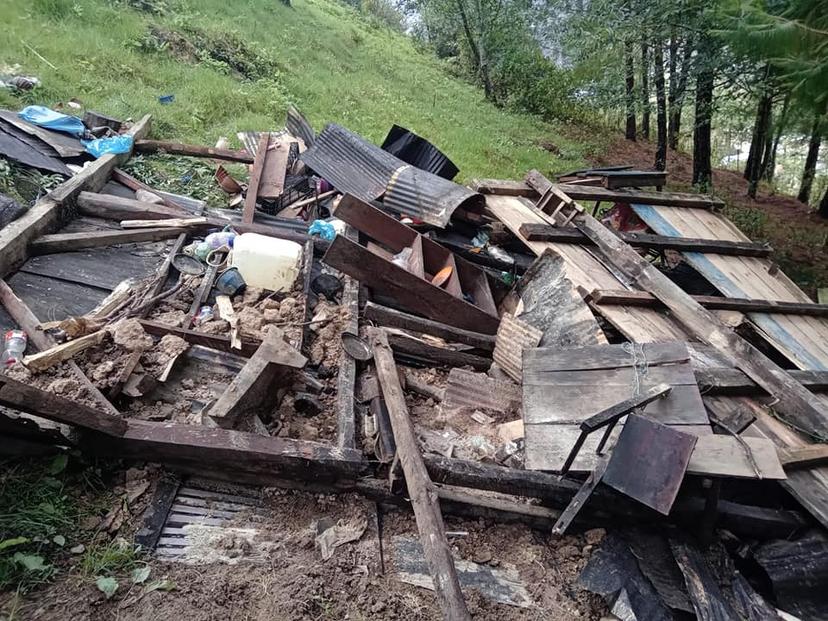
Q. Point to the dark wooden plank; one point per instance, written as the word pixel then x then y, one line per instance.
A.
pixel 253 388
pixel 612 180
pixel 421 490
pixel 177 148
pixel 705 594
pixel 390 318
pixel 669 199
pixel 52 300
pixel 214 341
pixel 118 208
pixel 68 242
pixel 571 235
pixel 201 294
pixel 744 305
pixel 346 378
pixel 605 417
pixel 272 182
pixel 412 292
pixel 501 187
pixel 806 457
pixel 31 400
pixel 156 513
pixel 134 184
pixel 726 381
pixel 249 210
pixel 794 403
pixel 597 357
pixel 436 355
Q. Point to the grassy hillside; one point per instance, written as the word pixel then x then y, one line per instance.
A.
pixel 236 66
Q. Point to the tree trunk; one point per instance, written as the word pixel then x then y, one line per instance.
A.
pixel 630 92
pixel 661 106
pixel 759 140
pixel 702 173
pixel 645 91
pixel 770 166
pixel 823 205
pixel 811 161
pixel 678 89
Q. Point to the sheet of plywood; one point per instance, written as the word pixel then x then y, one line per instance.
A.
pixel 803 339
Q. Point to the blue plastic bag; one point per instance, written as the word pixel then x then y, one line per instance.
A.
pixel 325 230
pixel 113 144
pixel 43 116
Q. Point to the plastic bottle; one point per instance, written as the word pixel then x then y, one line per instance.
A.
pixel 14 344
pixel 205 314
pixel 266 262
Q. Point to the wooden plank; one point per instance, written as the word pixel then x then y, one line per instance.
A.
pixel 704 590
pixel 155 515
pixel 249 210
pixel 435 355
pixel 114 207
pixel 201 294
pixel 181 223
pixel 214 341
pixel 226 312
pixel 177 148
pixel 727 381
pixel 49 357
pixel 599 357
pixel 69 242
pixel 119 176
pixel 254 384
pixel 502 187
pixel 272 182
pixel 795 402
pixel 743 305
pixel 671 199
pixel 25 398
pixel 346 421
pixel 414 293
pixel 421 490
pixel 572 235
pixel 613 180
pixel 391 318
pixel 805 457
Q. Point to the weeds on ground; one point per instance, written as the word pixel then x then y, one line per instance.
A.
pixel 181 175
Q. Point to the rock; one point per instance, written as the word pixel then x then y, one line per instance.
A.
pixel 327 285
pixel 78 549
pixel 594 536
pixel 251 295
pixel 216 326
pixel 130 334
pixel 569 551
pixel 171 318
pixel 64 386
pixel 250 321
pixel 271 315
pixel 586 551
pixel 482 556
pixel 103 370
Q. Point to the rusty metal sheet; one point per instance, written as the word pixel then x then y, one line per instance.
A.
pixel 513 337
pixel 649 461
pixel 478 390
pixel 427 197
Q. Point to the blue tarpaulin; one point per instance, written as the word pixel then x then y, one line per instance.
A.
pixel 43 116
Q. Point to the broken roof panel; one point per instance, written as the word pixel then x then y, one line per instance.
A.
pixel 419 152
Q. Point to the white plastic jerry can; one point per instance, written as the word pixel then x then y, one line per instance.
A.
pixel 267 262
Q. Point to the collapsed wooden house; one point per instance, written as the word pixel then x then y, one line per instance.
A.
pixel 689 392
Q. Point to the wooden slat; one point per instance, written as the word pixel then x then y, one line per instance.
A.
pixel 726 381
pixel 672 199
pixel 743 305
pixel 572 235
pixel 437 356
pixel 596 357
pixel 177 148
pixel 795 402
pixel 249 210
pixel 502 187
pixel 272 182
pixel 421 490
pixel 117 208
pixel 69 242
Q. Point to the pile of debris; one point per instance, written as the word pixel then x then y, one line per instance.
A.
pixel 355 321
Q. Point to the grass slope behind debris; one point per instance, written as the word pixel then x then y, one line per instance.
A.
pixel 237 65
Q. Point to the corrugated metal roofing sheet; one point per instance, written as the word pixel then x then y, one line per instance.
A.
pixel 513 336
pixel 355 166
pixel 478 390
pixel 417 151
pixel 427 197
pixel 298 126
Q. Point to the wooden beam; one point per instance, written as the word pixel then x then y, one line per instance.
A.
pixel 806 457
pixel 612 180
pixel 272 182
pixel 26 398
pixel 571 235
pixel 54 355
pixel 795 403
pixel 346 420
pixel 733 382
pixel 416 348
pixel 391 318
pixel 744 305
pixel 181 223
pixel 177 148
pixel 201 294
pixel 214 341
pixel 423 494
pixel 134 184
pixel 69 242
pixel 668 199
pixel 249 211
pixel 118 208
pixel 252 388
pixel 502 187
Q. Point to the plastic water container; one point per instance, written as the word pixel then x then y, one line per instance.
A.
pixel 267 262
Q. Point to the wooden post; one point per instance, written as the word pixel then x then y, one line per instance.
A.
pixel 794 401
pixel 249 210
pixel 424 497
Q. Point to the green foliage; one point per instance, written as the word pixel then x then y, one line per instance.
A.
pixel 112 557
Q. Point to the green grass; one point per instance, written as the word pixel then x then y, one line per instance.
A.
pixel 237 65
